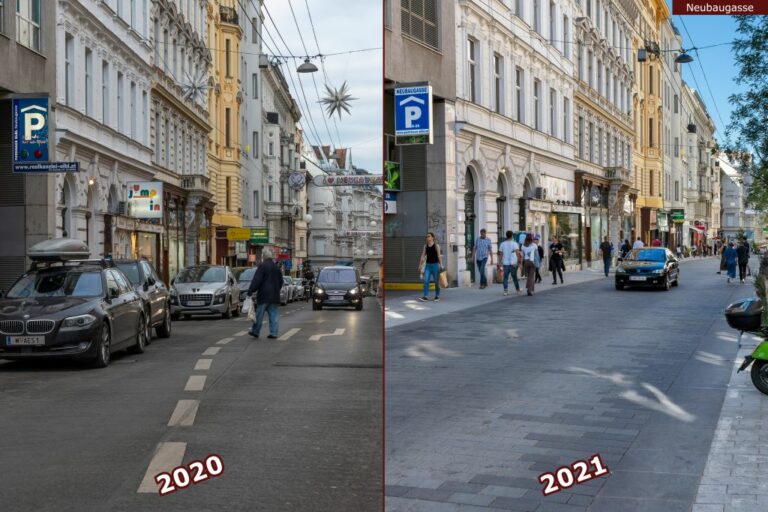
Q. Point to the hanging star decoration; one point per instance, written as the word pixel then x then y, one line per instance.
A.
pixel 337 100
pixel 195 87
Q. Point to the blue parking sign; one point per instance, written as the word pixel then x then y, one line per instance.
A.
pixel 30 130
pixel 413 111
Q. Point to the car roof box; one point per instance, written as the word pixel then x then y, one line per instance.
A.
pixel 59 249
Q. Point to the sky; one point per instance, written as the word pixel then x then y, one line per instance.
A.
pixel 716 64
pixel 341 25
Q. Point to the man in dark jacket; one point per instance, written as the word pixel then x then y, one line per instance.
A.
pixel 266 283
pixel 743 258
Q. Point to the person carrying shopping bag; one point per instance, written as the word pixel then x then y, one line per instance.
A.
pixel 430 266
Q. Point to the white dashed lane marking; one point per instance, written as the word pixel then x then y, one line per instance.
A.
pixel 167 456
pixel 184 414
pixel 211 351
pixel 224 341
pixel 203 364
pixel 337 332
pixel 195 383
pixel 241 333
pixel 288 334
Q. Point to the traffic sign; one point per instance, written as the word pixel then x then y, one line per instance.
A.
pixel 30 130
pixel 413 114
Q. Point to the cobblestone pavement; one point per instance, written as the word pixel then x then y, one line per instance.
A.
pixel 482 401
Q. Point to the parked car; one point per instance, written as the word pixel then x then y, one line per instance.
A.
pixel 298 288
pixel 67 306
pixel 649 266
pixel 205 289
pixel 244 276
pixel 288 287
pixel 155 296
pixel 285 294
pixel 337 286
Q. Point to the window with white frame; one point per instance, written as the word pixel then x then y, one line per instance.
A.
pixel 144 117
pixel 255 85
pixel 472 70
pixel 553 112
pixel 88 82
pixel 537 16
pixel 133 109
pixel 105 103
pixel 581 137
pixel 2 16
pixel 591 142
pixel 552 23
pixel 254 30
pixel 271 149
pixel 537 103
pixel 165 51
pixel 255 145
pixel 256 204
pixel 567 37
pixel 677 146
pixel 566 120
pixel 498 84
pixel 120 105
pixel 28 23
pixel 175 57
pixel 590 80
pixel 600 146
pixel 167 155
pixel 519 8
pixel 519 94
pixel 600 77
pixel 580 60
pixel 69 70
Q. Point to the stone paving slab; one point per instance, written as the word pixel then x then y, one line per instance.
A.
pixel 482 400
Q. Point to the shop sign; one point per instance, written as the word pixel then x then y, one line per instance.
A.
pixel 539 206
pixel 259 236
pixel 392 176
pixel 284 254
pixel 390 202
pixel 346 181
pixel 240 250
pixel 128 224
pixel 145 199
pixel 662 222
pixel 564 208
pixel 677 215
pixel 238 234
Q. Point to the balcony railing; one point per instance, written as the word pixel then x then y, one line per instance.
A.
pixel 195 182
pixel 228 15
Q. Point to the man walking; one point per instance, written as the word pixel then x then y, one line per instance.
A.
pixel 638 243
pixel 742 254
pixel 540 250
pixel 510 257
pixel 606 251
pixel 266 283
pixel 482 252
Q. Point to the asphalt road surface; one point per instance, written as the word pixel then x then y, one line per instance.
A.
pixel 482 401
pixel 296 421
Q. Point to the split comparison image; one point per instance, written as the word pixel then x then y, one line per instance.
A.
pixel 396 256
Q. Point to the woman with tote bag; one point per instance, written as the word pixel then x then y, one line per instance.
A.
pixel 431 267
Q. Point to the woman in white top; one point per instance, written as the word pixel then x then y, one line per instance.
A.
pixel 530 252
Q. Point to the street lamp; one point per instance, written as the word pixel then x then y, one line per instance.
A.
pixel 307 218
pixel 373 223
pixel 306 67
pixel 683 58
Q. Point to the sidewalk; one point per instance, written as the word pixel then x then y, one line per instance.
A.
pixel 404 307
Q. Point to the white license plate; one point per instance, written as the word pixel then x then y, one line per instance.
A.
pixel 196 303
pixel 25 340
pixel 637 278
pixel 335 299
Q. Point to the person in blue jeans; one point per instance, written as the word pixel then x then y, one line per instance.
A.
pixel 266 284
pixel 606 251
pixel 510 257
pixel 430 264
pixel 481 253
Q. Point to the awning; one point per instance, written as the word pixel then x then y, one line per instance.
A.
pixel 698 229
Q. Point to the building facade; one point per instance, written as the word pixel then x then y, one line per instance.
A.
pixel 28 55
pixel 602 121
pixel 224 150
pixel 420 41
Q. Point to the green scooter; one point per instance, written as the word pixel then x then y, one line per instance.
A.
pixel 745 316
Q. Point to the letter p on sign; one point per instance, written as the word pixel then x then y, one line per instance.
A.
pixel 412 114
pixel 33 121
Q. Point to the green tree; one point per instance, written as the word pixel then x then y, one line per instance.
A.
pixel 749 123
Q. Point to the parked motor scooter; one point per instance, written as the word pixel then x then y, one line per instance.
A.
pixel 746 316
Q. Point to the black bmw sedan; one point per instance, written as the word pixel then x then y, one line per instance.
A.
pixel 649 266
pixel 82 310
